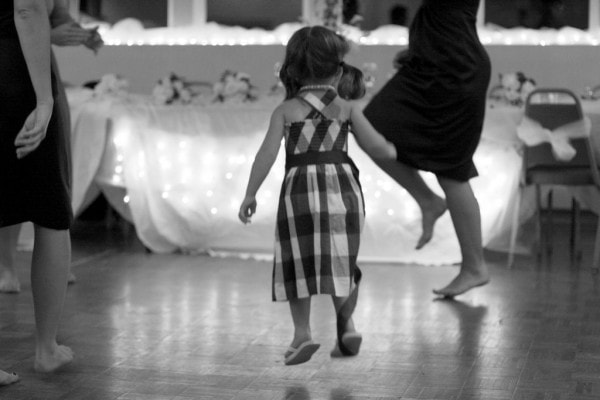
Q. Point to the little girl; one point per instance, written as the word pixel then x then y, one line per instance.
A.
pixel 321 210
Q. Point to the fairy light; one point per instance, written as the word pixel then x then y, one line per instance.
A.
pixel 212 34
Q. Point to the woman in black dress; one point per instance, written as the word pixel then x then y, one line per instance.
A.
pixel 65 32
pixel 34 180
pixel 433 110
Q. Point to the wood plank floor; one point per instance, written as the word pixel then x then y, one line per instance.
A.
pixel 177 327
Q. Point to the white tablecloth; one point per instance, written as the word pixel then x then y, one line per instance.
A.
pixel 179 172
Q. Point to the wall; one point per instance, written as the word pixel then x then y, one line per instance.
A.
pixel 143 65
pixel 152 13
pixel 266 14
pixel 377 13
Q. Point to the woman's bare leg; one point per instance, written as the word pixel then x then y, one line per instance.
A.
pixel 9 279
pixel 49 270
pixel 466 218
pixel 432 206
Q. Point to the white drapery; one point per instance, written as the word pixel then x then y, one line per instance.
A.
pixel 179 172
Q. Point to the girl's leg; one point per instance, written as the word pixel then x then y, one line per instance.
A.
pixel 49 269
pixel 466 217
pixel 9 279
pixel 432 206
pixel 338 303
pixel 348 340
pixel 300 309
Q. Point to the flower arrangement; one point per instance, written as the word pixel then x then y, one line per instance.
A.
pixel 111 84
pixel 516 87
pixel 234 87
pixel 172 89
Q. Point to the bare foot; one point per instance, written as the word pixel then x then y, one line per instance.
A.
pixel 463 282
pixel 7 379
pixel 9 283
pixel 71 279
pixel 429 218
pixel 51 361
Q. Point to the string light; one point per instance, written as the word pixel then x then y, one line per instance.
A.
pixel 212 34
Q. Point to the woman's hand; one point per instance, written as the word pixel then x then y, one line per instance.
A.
pixel 70 34
pixel 94 41
pixel 247 209
pixel 34 130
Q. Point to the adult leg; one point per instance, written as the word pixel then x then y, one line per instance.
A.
pixel 432 206
pixel 49 268
pixel 466 218
pixel 9 279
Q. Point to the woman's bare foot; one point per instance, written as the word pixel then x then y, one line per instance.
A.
pixel 464 281
pixel 430 215
pixel 9 282
pixel 51 361
pixel 7 379
pixel 71 279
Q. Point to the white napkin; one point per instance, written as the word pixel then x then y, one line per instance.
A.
pixel 533 133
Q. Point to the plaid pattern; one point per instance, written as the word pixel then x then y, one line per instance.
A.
pixel 320 214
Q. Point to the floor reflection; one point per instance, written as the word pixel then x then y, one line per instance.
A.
pixel 193 327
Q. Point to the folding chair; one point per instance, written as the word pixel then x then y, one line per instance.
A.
pixel 553 109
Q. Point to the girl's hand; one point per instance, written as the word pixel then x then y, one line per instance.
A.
pixel 247 209
pixel 34 130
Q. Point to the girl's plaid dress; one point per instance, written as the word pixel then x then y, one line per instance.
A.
pixel 321 207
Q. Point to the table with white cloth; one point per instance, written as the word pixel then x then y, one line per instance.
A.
pixel 179 172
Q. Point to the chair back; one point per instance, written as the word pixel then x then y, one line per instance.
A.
pixel 552 108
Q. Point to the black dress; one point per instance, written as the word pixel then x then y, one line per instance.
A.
pixel 35 188
pixel 432 109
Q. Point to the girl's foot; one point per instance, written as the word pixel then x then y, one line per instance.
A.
pixel 430 215
pixel 301 353
pixel 351 341
pixel 9 282
pixel 49 361
pixel 7 379
pixel 71 279
pixel 463 282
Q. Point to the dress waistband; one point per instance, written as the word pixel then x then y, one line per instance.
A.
pixel 317 157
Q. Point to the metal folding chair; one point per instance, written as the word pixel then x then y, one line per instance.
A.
pixel 553 108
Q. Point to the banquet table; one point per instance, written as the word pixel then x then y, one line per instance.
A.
pixel 178 173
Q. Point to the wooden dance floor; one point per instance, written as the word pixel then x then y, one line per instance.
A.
pixel 183 327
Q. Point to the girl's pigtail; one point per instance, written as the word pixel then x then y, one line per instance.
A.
pixel 351 85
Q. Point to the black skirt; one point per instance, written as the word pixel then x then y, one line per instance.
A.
pixel 35 188
pixel 433 108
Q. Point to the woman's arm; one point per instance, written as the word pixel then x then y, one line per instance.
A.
pixel 265 157
pixel 33 28
pixel 59 13
pixel 371 141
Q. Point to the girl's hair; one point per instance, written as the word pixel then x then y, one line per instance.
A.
pixel 313 52
pixel 351 85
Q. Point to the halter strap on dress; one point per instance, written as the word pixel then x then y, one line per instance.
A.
pixel 318 104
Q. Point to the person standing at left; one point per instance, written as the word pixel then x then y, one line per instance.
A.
pixel 34 166
pixel 65 32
